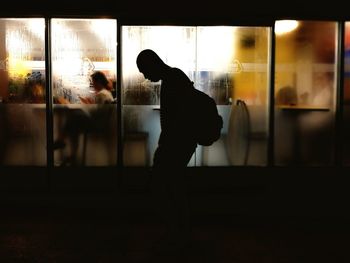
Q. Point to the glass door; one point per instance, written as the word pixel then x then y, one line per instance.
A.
pixel 85 114
pixel 228 63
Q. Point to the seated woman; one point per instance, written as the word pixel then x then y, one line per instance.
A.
pixel 80 121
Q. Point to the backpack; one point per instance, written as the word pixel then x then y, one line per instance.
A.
pixel 205 121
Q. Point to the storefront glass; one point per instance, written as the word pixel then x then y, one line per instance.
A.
pixel 305 85
pixel 228 63
pixel 81 47
pixel 22 92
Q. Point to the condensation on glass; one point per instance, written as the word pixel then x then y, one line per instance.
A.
pixel 228 63
pixel 141 98
pixel 346 105
pixel 81 47
pixel 22 92
pixel 305 85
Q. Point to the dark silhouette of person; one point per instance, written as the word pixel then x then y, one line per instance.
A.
pixel 176 146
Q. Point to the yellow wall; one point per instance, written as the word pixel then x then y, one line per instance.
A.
pixel 251 83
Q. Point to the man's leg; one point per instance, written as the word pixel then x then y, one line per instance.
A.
pixel 170 192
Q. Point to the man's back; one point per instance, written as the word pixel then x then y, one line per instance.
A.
pixel 173 106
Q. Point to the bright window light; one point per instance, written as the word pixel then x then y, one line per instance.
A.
pixel 285 26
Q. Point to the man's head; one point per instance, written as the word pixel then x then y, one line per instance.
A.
pixel 150 65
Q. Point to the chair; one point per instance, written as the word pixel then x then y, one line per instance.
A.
pixel 238 135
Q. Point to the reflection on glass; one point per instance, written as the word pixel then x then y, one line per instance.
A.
pixel 346 119
pixel 22 92
pixel 228 63
pixel 305 84
pixel 81 47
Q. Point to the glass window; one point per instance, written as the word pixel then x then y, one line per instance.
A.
pixel 85 116
pixel 232 67
pixel 228 63
pixel 22 92
pixel 141 98
pixel 305 84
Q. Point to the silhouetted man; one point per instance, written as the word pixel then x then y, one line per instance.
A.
pixel 176 144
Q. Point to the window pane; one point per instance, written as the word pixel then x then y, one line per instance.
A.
pixel 22 92
pixel 85 128
pixel 176 46
pixel 232 67
pixel 228 63
pixel 305 84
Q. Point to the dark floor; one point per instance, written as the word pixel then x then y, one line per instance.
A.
pixel 62 235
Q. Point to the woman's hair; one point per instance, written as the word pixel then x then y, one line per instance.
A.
pixel 100 78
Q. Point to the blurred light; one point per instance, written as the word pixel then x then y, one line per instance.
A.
pixel 216 48
pixel 18 50
pixel 17 67
pixel 173 44
pixel 285 26
pixel 104 28
pixel 66 48
pixel 37 26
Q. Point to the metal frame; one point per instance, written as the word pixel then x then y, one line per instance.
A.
pixel 339 135
pixel 49 104
pixel 271 114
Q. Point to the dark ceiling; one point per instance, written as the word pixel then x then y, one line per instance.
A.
pixel 216 11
